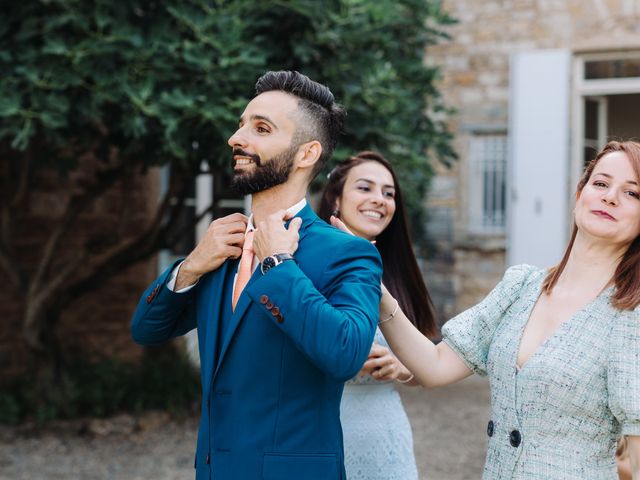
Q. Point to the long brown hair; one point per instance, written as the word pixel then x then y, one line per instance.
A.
pixel 626 278
pixel 401 274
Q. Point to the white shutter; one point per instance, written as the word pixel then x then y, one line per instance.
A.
pixel 538 159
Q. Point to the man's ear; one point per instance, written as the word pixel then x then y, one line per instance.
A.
pixel 309 153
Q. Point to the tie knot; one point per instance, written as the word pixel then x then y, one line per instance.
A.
pixel 248 241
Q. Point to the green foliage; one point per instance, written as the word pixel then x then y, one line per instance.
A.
pixel 149 78
pixel 164 82
pixel 9 409
pixel 99 389
pixel 371 54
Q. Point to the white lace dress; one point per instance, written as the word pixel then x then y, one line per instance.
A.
pixel 378 443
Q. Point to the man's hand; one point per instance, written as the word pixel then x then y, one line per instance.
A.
pixel 271 237
pixel 224 239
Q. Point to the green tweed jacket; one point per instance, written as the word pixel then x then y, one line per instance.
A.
pixel 559 416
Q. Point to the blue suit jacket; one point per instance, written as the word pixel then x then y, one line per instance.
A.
pixel 271 385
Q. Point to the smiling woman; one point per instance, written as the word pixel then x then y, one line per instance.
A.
pixel 560 345
pixel 364 193
pixel 367 203
pixel 607 212
pixel 608 204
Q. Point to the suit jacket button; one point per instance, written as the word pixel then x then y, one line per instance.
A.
pixel 279 318
pixel 515 438
pixel 264 299
pixel 275 311
pixel 490 428
pixel 269 305
pixel 149 298
pixel 208 459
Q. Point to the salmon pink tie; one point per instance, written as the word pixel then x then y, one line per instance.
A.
pixel 245 270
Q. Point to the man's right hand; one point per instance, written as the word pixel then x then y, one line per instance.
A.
pixel 224 239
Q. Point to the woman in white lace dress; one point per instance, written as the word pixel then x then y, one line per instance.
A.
pixel 363 192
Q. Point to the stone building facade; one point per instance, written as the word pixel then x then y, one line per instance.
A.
pixel 495 66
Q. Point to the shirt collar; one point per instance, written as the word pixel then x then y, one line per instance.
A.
pixel 292 211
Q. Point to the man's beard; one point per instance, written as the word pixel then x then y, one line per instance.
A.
pixel 265 174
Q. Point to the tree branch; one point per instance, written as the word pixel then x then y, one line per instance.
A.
pixel 8 260
pixel 21 189
pixel 126 204
pixel 35 319
pixel 10 266
pixel 129 251
pixel 103 180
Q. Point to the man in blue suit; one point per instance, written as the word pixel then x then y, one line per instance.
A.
pixel 276 350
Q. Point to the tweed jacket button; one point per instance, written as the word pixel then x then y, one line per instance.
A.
pixel 264 299
pixel 515 438
pixel 490 428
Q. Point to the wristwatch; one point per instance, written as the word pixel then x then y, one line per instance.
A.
pixel 274 260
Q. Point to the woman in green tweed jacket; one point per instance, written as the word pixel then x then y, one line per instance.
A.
pixel 561 346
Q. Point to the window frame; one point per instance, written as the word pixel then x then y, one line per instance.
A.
pixel 477 185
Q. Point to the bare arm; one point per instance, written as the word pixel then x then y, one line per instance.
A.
pixel 633 446
pixel 432 365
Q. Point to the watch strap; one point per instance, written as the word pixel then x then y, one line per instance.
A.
pixel 274 260
pixel 281 257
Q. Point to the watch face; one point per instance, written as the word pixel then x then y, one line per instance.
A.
pixel 267 263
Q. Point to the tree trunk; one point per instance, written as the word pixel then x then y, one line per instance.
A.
pixel 46 363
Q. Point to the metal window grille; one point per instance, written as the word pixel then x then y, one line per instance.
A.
pixel 487 185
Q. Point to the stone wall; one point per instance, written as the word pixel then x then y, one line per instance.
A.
pixel 475 82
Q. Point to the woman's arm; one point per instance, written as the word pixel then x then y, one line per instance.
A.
pixel 432 365
pixel 633 448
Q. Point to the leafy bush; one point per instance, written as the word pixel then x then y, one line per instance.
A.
pixel 9 409
pixel 164 381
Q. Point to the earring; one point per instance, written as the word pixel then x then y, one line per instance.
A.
pixel 336 213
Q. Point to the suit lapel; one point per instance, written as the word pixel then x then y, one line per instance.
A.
pixel 244 302
pixel 241 308
pixel 214 303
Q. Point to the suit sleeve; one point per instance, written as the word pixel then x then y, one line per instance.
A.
pixel 163 314
pixel 335 328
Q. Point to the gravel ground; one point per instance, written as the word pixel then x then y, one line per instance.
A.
pixel 449 434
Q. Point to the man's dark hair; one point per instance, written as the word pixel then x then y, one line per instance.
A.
pixel 321 118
